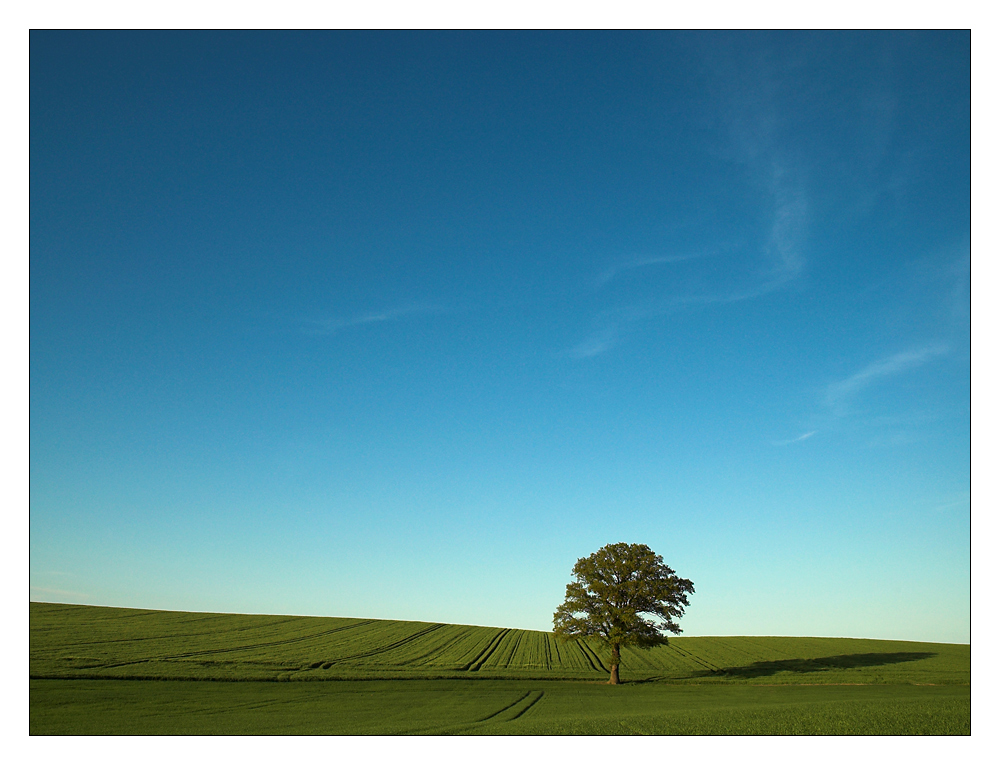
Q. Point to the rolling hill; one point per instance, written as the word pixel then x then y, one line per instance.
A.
pixel 92 642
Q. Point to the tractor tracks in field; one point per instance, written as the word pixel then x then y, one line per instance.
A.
pixel 231 649
pixel 592 658
pixel 512 711
pixel 534 700
pixel 381 649
pixel 184 635
pixel 531 697
pixel 476 664
pixel 513 651
pixel 509 713
pixel 697 660
pixel 431 651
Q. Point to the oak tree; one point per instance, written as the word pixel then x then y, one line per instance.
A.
pixel 623 595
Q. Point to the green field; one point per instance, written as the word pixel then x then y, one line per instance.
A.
pixel 109 670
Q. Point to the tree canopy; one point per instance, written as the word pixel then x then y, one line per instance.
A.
pixel 624 595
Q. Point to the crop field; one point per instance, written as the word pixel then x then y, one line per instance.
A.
pixel 110 670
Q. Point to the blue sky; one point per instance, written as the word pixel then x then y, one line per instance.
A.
pixel 401 325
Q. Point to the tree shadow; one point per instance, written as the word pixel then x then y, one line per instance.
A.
pixel 824 664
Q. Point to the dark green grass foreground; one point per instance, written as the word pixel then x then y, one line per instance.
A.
pixel 108 671
pixel 513 707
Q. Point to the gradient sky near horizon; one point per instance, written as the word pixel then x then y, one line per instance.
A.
pixel 400 325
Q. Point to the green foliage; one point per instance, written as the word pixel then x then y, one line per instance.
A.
pixel 623 595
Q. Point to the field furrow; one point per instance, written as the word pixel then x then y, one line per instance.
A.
pixel 476 664
pixel 536 696
pixel 391 646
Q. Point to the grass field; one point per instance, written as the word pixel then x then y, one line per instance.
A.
pixel 108 670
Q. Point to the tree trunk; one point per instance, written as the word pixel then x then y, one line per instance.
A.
pixel 615 659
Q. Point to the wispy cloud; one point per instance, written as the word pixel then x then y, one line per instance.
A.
pixel 594 345
pixel 835 412
pixel 609 274
pixel 839 393
pixel 784 263
pixel 803 437
pixel 333 325
pixel 751 99
pixel 788 228
pixel 765 267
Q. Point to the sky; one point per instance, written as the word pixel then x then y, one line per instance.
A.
pixel 401 325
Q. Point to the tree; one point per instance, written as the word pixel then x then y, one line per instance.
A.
pixel 615 589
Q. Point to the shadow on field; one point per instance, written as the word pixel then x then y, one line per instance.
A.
pixel 845 661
